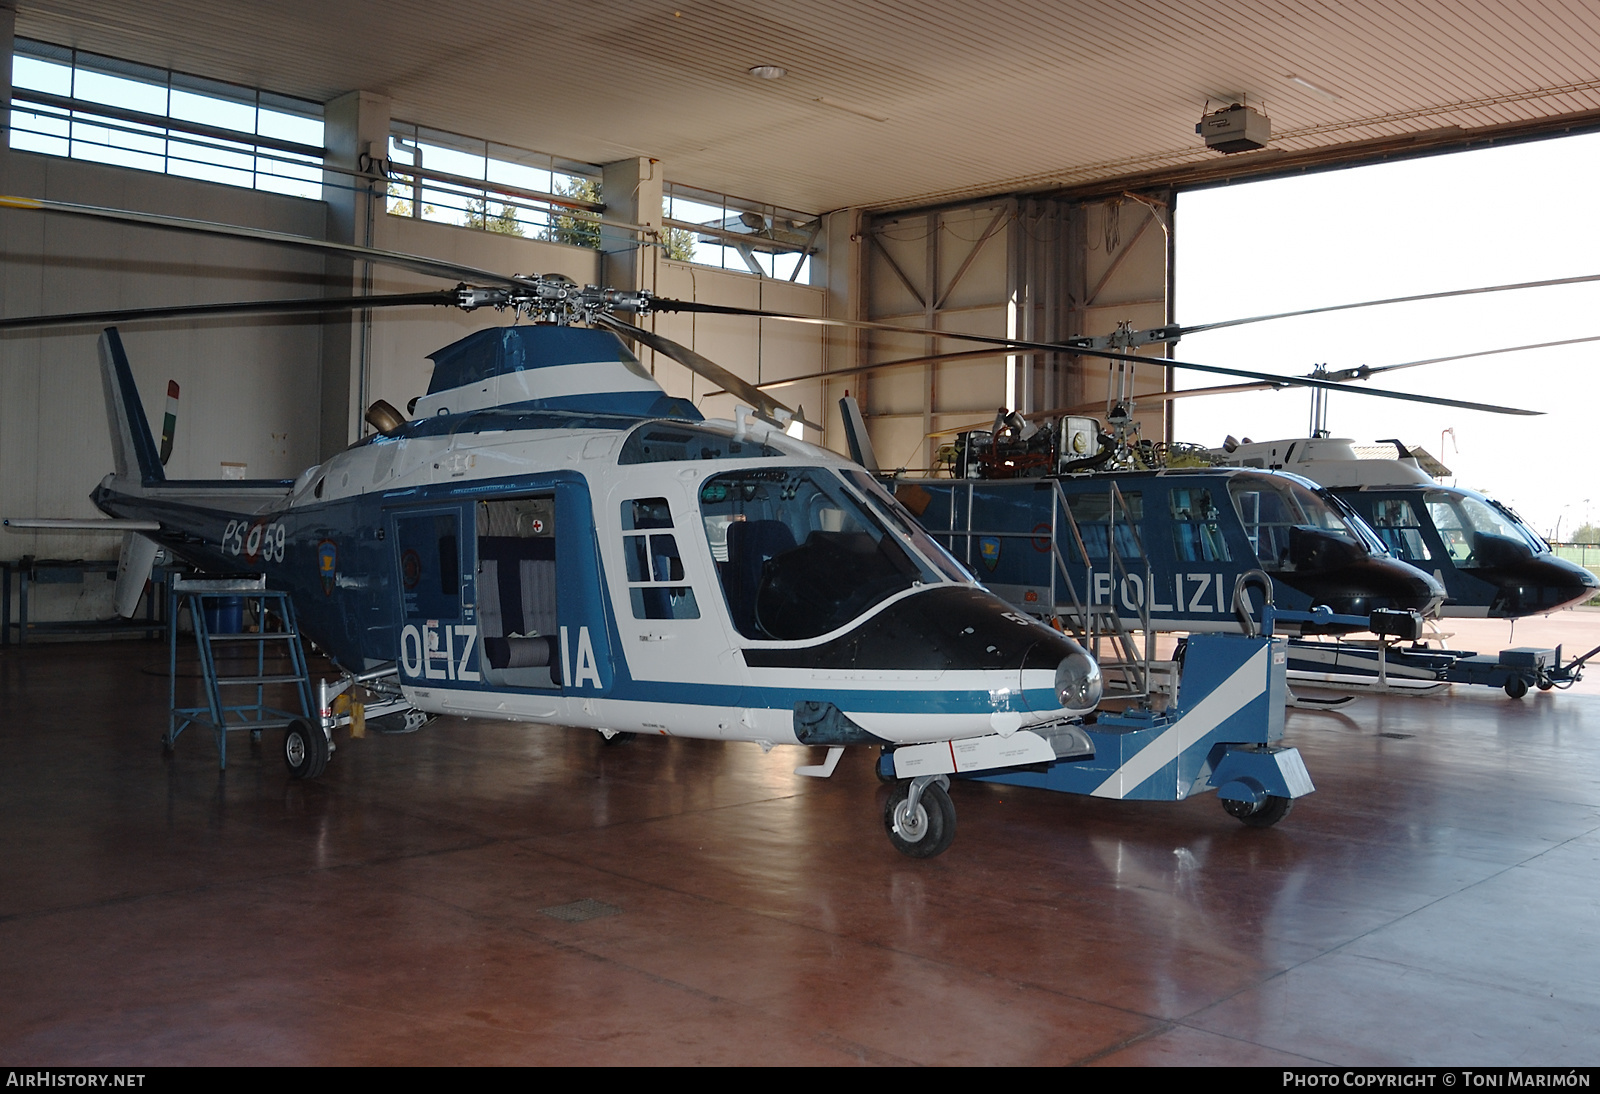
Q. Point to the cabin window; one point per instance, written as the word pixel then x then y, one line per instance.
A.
pixel 654 566
pixel 1399 528
pixel 799 554
pixel 1196 533
pixel 1102 520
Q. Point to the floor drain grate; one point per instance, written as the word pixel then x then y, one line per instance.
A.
pixel 1398 736
pixel 581 910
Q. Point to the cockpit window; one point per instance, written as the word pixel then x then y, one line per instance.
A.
pixel 896 515
pixel 1290 527
pixel 798 554
pixel 1468 526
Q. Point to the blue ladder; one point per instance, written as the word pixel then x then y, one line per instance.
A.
pixel 271 648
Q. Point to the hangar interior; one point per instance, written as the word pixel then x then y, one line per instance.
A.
pixel 1003 169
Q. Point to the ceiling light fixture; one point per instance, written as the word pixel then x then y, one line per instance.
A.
pixel 1313 88
pixel 768 72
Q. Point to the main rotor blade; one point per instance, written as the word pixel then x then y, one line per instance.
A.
pixel 762 403
pixel 1198 327
pixel 416 263
pixel 1156 397
pixel 1364 371
pixel 1020 345
pixel 444 297
pixel 927 359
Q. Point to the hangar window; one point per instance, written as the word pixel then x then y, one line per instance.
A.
pixel 472 183
pixel 65 102
pixel 713 229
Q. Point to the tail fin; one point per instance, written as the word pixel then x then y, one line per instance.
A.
pixel 132 446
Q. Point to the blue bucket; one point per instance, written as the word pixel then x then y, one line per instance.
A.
pixel 224 614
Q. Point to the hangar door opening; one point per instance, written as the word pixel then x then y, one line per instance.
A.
pixel 1484 218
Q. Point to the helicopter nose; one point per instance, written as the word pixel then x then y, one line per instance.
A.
pixel 1543 584
pixel 1371 583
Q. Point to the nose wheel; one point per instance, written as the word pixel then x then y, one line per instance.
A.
pixel 920 817
pixel 305 749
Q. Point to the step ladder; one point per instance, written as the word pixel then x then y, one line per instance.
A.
pixel 250 661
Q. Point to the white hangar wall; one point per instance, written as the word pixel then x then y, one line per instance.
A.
pixel 243 381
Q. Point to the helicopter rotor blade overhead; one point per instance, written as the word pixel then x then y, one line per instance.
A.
pixel 453 271
pixel 1021 345
pixel 1364 371
pixel 1550 283
pixel 553 297
pixel 763 404
pixel 1099 405
pixel 443 297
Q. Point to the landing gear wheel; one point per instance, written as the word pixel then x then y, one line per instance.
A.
pixel 923 830
pixel 1262 814
pixel 1517 686
pixel 305 749
pixel 1545 684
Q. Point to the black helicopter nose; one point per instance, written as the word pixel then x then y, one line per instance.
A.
pixel 1534 586
pixel 1370 583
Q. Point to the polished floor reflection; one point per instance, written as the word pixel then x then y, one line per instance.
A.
pixel 1436 901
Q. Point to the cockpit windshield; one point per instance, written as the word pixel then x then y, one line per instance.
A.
pixel 800 554
pixel 1291 528
pixel 1472 528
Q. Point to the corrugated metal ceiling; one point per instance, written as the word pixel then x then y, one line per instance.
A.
pixel 885 103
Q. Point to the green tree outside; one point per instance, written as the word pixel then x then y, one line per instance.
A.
pixel 505 221
pixel 572 227
pixel 679 244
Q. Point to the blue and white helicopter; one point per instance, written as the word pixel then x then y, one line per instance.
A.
pixel 553 539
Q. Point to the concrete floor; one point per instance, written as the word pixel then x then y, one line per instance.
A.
pixel 1435 902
